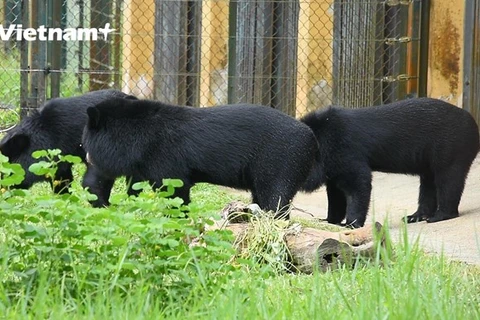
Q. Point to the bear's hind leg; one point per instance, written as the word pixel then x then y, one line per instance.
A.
pixel 183 193
pixel 427 200
pixel 450 184
pixel 357 187
pixel 337 204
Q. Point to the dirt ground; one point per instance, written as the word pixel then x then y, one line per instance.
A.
pixel 394 196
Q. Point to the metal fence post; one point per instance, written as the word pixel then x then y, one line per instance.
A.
pixel 38 55
pixel 284 47
pixel 423 47
pixel 252 66
pixel 80 52
pixel 100 51
pixel 176 53
pixel 55 47
pixel 471 80
pixel 232 49
pixel 117 45
pixel 24 68
pixel 395 54
pixel 355 67
pixel 262 63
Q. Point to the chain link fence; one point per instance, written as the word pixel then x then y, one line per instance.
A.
pixel 292 55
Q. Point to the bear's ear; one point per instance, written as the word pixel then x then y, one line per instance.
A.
pixel 93 117
pixel 15 145
pixel 130 97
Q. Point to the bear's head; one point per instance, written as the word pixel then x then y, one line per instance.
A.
pixel 19 144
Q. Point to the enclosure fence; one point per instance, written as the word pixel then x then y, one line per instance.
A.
pixel 292 55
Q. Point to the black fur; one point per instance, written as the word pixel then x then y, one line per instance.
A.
pixel 241 146
pixel 58 124
pixel 426 137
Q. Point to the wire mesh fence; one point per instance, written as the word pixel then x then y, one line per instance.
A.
pixel 292 55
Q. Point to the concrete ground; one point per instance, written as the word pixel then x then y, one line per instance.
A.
pixel 395 196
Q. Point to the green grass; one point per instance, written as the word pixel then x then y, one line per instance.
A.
pixel 412 286
pixel 402 282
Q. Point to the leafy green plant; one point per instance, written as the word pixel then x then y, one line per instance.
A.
pixel 10 173
pixel 49 165
pixel 147 239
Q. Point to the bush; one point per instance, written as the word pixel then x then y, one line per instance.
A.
pixel 143 241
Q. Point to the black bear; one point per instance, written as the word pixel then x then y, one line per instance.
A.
pixel 58 124
pixel 247 147
pixel 426 137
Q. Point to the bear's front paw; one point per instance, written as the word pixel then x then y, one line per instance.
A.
pixel 100 203
pixel 414 218
pixel 355 224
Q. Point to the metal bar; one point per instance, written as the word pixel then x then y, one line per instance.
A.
pixel 232 50
pixel 245 64
pixel 379 53
pixel 100 50
pixel 476 66
pixel 56 48
pixel 194 30
pixel 284 64
pixel 170 53
pixel 279 53
pixel 24 101
pixel 424 40
pixel 413 49
pixel 63 22
pixel 471 58
pixel 401 67
pixel 396 27
pixel 38 55
pixel 354 62
pixel 469 32
pixel 117 45
pixel 337 51
pixel 260 56
pixel 81 17
pixel 42 55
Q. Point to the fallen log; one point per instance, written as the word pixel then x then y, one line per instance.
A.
pixel 308 248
